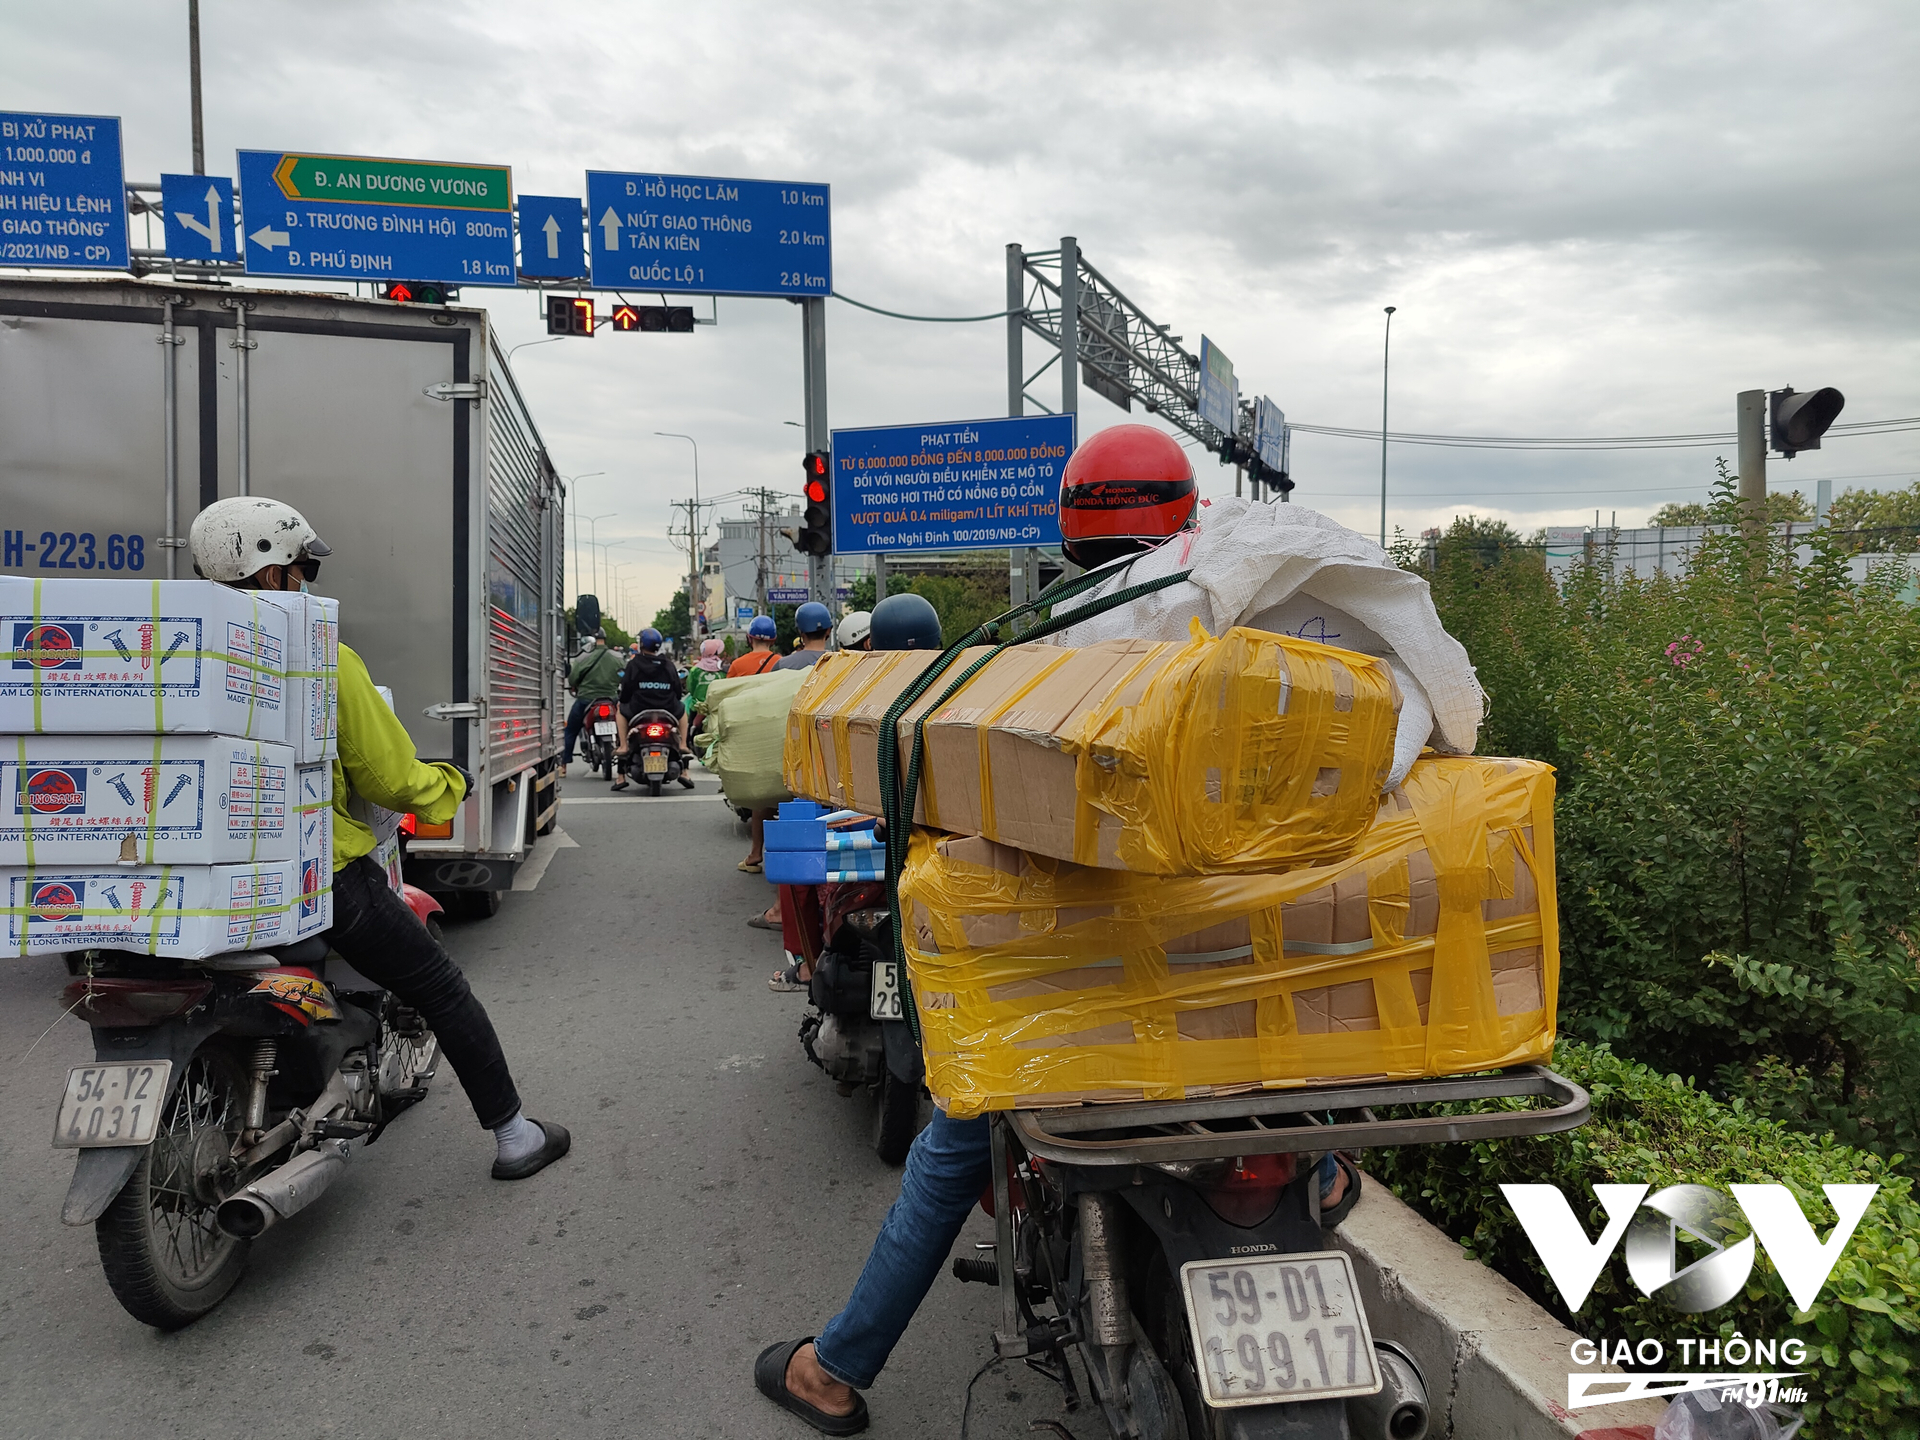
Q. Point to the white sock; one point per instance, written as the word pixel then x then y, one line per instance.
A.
pixel 518 1138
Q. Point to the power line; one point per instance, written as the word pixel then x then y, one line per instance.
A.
pixel 1700 441
pixel 927 319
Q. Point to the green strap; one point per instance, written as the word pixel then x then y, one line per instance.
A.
pixel 897 801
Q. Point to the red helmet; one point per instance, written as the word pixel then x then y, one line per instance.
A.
pixel 1125 490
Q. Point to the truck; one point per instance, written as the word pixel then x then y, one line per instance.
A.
pixel 126 405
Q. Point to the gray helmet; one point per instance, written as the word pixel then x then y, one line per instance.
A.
pixel 906 622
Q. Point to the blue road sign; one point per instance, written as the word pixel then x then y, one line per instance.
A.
pixel 352 217
pixel 974 485
pixel 713 237
pixel 198 210
pixel 1270 433
pixel 786 594
pixel 63 198
pixel 551 247
pixel 1218 388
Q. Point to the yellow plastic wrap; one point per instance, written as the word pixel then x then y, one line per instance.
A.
pixel 1432 949
pixel 1246 752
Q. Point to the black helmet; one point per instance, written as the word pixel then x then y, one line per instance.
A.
pixel 906 622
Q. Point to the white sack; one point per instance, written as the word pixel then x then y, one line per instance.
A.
pixel 1292 571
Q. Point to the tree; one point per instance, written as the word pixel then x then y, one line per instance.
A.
pixel 1782 506
pixel 1877 520
pixel 962 600
pixel 676 620
pixel 615 635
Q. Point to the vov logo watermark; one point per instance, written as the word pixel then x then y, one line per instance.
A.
pixel 1727 1228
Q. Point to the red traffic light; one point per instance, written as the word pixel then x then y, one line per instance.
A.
pixel 816 492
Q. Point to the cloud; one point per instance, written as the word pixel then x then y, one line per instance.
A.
pixel 1595 219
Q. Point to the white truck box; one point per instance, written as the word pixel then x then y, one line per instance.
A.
pixel 144 800
pixel 91 656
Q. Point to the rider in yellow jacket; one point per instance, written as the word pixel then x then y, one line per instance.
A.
pixel 254 543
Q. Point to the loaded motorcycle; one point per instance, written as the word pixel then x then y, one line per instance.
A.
pixel 1182 1251
pixel 226 1096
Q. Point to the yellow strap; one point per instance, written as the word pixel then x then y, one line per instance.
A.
pixel 37 680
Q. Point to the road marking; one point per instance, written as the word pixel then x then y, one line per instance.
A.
pixel 707 795
pixel 527 877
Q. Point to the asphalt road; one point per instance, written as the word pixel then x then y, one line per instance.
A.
pixel 720 1196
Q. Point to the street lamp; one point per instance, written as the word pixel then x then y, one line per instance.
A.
pixel 694 529
pixel 525 343
pixel 574 496
pixel 593 544
pixel 1385 349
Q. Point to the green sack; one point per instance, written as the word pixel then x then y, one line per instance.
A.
pixel 747 717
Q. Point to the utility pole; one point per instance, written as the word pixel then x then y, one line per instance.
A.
pixel 1386 351
pixel 1750 423
pixel 813 340
pixel 193 72
pixel 1024 566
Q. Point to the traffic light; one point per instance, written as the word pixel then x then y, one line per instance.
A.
pixel 654 319
pixel 816 525
pixel 419 292
pixel 569 315
pixel 1797 419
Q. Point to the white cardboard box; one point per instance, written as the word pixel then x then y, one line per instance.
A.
pixel 140 656
pixel 144 800
pixel 185 911
pixel 313 673
pixel 314 819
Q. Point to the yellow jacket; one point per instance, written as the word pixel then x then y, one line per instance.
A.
pixel 378 763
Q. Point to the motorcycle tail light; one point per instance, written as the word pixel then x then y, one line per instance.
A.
pixel 605 713
pixel 1249 1189
pixel 656 732
pixel 115 1002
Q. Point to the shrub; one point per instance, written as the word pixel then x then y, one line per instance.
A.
pixel 1863 1334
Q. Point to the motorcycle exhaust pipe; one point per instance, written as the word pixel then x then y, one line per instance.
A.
pixel 1398 1410
pixel 283 1193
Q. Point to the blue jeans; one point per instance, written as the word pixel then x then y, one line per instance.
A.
pixel 947 1168
pixel 576 717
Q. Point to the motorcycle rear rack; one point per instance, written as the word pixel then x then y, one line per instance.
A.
pixel 1159 1132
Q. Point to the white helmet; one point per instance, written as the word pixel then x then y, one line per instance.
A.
pixel 237 538
pixel 853 628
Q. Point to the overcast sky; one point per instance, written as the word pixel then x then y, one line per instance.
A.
pixel 1594 219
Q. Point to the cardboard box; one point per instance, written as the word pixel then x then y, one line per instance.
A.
pixel 1433 949
pixel 187 912
pixel 144 800
pixel 313 673
pixel 313 821
pixel 1238 753
pixel 141 657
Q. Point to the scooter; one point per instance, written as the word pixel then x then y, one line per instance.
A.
pixel 602 724
pixel 226 1096
pixel 858 1031
pixel 1187 1264
pixel 653 756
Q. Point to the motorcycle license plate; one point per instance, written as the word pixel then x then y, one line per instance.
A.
pixel 603 727
pixel 653 763
pixel 111 1104
pixel 1288 1328
pixel 886 1001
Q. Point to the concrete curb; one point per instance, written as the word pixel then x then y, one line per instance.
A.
pixel 1495 1363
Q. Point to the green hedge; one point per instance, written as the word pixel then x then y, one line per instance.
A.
pixel 1863 1336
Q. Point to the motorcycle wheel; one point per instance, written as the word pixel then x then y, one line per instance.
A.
pixel 166 1260
pixel 896 1118
pixel 653 789
pixel 1172 1341
pixel 408 1054
pixel 606 763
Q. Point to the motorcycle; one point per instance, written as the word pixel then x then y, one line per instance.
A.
pixel 1183 1252
pixel 226 1096
pixel 602 724
pixel 653 757
pixel 857 1031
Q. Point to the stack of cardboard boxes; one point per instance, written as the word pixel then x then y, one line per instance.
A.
pixel 1154 871
pixel 166 752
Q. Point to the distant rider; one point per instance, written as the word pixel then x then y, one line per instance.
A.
pixel 815 623
pixel 594 676
pixel 253 543
pixel 651 682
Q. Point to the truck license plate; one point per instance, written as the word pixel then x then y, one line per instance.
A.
pixel 603 727
pixel 886 1000
pixel 1289 1328
pixel 111 1104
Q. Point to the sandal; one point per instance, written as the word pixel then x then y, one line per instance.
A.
pixel 752 867
pixel 787 979
pixel 761 922
pixel 770 1379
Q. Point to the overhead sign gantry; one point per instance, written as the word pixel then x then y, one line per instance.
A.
pixel 709 235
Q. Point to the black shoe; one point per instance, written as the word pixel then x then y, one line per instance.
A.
pixel 558 1143
pixel 687 781
pixel 770 1378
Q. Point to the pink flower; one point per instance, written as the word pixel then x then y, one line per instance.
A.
pixel 1684 651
